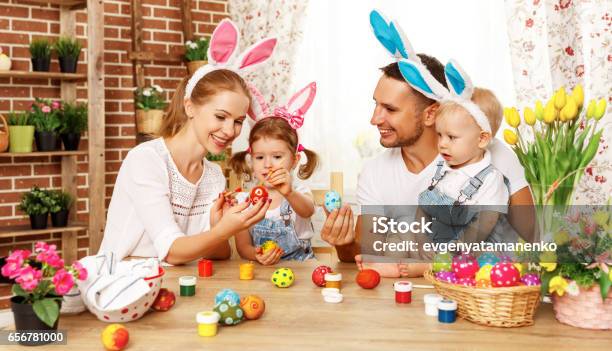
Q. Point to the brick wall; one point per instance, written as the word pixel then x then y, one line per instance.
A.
pixel 19 23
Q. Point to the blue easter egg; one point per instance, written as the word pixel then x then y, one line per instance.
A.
pixel 487 258
pixel 332 200
pixel 227 295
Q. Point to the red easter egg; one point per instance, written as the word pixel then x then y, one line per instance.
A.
pixel 368 278
pixel 318 275
pixel 164 301
pixel 505 274
pixel 465 266
pixel 259 193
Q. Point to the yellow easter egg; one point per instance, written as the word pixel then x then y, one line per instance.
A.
pixel 484 273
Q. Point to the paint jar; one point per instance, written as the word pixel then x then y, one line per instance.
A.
pixel 246 271
pixel 431 304
pixel 207 323
pixel 333 280
pixel 187 285
pixel 403 291
pixel 447 311
pixel 329 291
pixel 205 268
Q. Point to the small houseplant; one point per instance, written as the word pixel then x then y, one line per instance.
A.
pixel 40 50
pixel 150 106
pixel 60 203
pixel 21 132
pixel 73 120
pixel 35 204
pixel 40 281
pixel 196 53
pixel 44 114
pixel 68 51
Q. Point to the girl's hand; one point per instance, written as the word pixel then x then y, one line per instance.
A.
pixel 280 179
pixel 269 258
pixel 239 217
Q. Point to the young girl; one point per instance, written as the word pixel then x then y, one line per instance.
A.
pixel 166 201
pixel 274 153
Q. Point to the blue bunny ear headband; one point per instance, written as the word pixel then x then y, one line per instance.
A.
pixel 393 39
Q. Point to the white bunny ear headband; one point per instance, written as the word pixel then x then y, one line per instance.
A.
pixel 222 54
pixel 393 39
pixel 293 112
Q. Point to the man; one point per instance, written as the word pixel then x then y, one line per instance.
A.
pixel 406 122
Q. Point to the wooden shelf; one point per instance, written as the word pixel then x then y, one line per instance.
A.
pixel 44 75
pixel 69 3
pixel 43 153
pixel 14 231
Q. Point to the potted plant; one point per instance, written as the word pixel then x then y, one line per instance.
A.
pixel 40 281
pixel 73 120
pixel 40 50
pixel 578 275
pixel 35 204
pixel 44 114
pixel 149 109
pixel 60 202
pixel 68 51
pixel 21 132
pixel 196 53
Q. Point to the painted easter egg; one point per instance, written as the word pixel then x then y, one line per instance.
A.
pixel 269 245
pixel 483 283
pixel 504 274
pixel 465 266
pixel 484 273
pixel 318 275
pixel 466 281
pixel 332 200
pixel 368 278
pixel 448 277
pixel 442 262
pixel 283 277
pixel 164 301
pixel 259 193
pixel 227 295
pixel 253 306
pixel 230 312
pixel 487 258
pixel 531 279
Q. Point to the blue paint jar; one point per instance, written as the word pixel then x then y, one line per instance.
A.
pixel 447 311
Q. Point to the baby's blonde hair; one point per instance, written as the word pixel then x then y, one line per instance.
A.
pixel 486 100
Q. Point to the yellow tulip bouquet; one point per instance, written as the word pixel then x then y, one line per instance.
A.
pixel 564 142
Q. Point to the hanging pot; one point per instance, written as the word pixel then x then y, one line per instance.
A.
pixel 149 121
pixel 41 64
pixel 71 141
pixel 60 218
pixel 21 138
pixel 193 66
pixel 39 221
pixel 68 64
pixel 26 319
pixel 4 135
pixel 46 141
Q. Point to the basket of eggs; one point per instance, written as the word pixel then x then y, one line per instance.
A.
pixel 490 290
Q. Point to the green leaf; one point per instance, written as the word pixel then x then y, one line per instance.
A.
pixel 604 284
pixel 18 291
pixel 47 311
pixel 546 277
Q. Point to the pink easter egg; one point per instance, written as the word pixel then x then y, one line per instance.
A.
pixel 448 277
pixel 505 274
pixel 531 279
pixel 465 266
pixel 466 281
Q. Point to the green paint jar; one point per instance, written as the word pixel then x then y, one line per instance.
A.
pixel 187 285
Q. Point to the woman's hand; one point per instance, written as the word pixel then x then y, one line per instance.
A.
pixel 280 179
pixel 216 211
pixel 269 258
pixel 239 217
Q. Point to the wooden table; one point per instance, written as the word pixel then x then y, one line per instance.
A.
pixel 297 318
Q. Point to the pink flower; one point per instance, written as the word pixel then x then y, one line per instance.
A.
pixel 11 269
pixel 49 256
pixel 574 216
pixel 29 278
pixel 63 282
pixel 56 105
pixel 41 246
pixel 81 271
pixel 46 109
pixel 590 227
pixel 19 256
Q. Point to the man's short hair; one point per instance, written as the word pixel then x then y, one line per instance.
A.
pixel 431 63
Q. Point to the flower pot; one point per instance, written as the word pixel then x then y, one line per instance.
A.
pixel 72 303
pixel 149 121
pixel 39 221
pixel 46 141
pixel 193 66
pixel 26 319
pixel 71 141
pixel 587 310
pixel 21 138
pixel 60 218
pixel 41 64
pixel 4 135
pixel 68 64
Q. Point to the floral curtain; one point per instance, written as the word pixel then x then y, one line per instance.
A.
pixel 556 43
pixel 275 18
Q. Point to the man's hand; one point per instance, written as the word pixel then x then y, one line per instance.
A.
pixel 338 228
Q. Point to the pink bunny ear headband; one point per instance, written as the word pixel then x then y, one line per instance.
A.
pixel 293 112
pixel 222 54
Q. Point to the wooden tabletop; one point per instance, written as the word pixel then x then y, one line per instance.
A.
pixel 296 318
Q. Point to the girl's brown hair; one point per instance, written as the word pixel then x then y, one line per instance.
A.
pixel 211 84
pixel 279 129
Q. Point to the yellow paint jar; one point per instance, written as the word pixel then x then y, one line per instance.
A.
pixel 333 280
pixel 207 323
pixel 246 271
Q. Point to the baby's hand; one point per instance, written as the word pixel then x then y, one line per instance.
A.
pixel 269 258
pixel 280 179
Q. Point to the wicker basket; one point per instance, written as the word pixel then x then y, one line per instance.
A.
pixel 587 310
pixel 496 307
